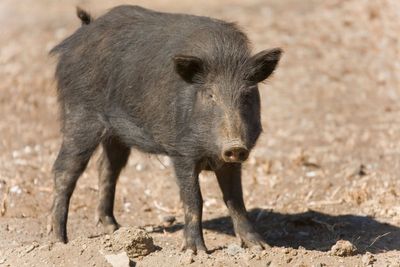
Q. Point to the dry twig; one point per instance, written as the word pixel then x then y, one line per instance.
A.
pixel 378 237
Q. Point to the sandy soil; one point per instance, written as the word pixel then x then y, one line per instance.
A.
pixel 326 168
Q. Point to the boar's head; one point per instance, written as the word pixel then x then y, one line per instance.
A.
pixel 226 108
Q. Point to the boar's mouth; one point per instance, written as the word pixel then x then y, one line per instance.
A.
pixel 213 164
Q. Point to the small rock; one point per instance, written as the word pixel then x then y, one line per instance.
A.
pixel 127 206
pixel 16 189
pixel 368 258
pixel 168 220
pixel 343 248
pixel 311 174
pixel 234 249
pixel 139 167
pixel 118 260
pixel 149 229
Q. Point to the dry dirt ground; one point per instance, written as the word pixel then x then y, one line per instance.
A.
pixel 326 168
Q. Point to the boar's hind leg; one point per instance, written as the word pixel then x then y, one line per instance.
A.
pixel 113 159
pixel 229 179
pixel 188 181
pixel 79 142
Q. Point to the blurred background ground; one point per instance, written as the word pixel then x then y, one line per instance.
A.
pixel 326 168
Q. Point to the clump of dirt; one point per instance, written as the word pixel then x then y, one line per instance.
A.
pixel 343 248
pixel 134 241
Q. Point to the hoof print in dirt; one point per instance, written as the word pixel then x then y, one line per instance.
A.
pixel 343 248
pixel 134 241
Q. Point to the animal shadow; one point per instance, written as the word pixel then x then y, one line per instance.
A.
pixel 314 230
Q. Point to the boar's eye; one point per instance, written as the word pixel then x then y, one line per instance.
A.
pixel 247 94
pixel 207 95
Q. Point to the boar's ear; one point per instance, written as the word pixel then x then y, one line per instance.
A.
pixel 189 68
pixel 263 64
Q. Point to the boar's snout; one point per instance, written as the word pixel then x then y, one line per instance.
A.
pixel 235 152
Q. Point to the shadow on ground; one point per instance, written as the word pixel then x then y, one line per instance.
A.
pixel 313 230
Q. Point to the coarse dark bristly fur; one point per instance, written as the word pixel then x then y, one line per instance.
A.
pixel 174 84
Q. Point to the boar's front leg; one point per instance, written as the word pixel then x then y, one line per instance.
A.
pixel 187 174
pixel 229 179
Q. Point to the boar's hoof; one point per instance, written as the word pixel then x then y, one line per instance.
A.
pixel 253 240
pixel 109 224
pixel 57 235
pixel 194 246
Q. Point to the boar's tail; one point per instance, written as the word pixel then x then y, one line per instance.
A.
pixel 84 16
pixel 72 40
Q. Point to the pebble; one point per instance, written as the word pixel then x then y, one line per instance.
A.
pixel 234 249
pixel 16 189
pixel 139 167
pixel 118 260
pixel 149 229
